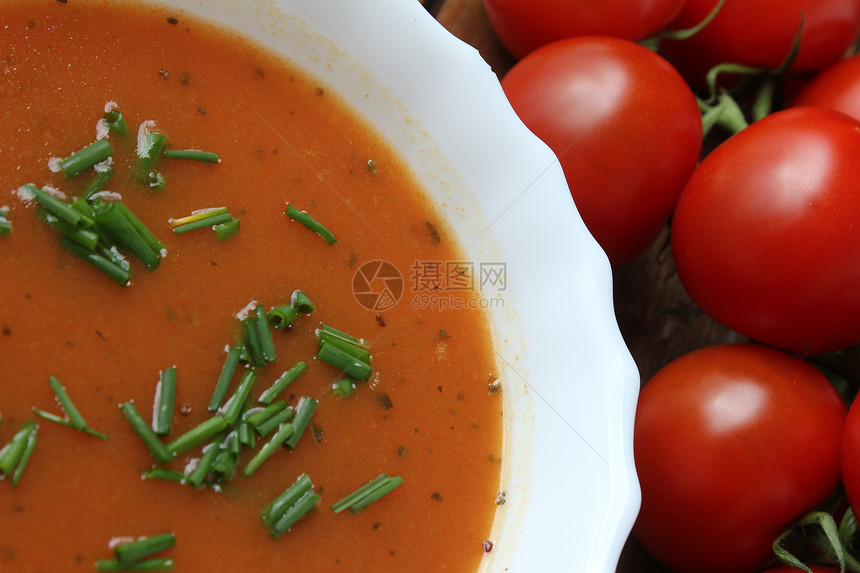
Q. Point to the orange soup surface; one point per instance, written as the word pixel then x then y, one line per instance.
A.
pixel 426 414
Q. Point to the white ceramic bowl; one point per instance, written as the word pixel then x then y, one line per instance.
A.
pixel 570 385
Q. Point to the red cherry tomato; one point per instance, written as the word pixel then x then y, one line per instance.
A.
pixel 837 87
pixel 625 126
pixel 525 25
pixel 732 443
pixel 761 32
pixel 766 233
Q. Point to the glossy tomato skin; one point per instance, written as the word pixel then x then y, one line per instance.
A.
pixel 765 235
pixel 836 87
pixel 525 25
pixel 761 32
pixel 731 444
pixel 625 127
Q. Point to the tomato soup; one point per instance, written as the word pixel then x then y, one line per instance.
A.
pixel 429 413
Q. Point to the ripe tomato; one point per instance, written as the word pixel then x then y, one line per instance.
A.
pixel 624 125
pixel 837 87
pixel 765 235
pixel 761 32
pixel 525 25
pixel 732 443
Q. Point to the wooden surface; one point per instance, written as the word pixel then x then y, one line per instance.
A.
pixel 656 318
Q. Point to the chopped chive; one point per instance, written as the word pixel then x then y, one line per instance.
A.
pixel 285 431
pixel 122 230
pixel 224 466
pixel 5 226
pixel 228 457
pixel 343 387
pixel 295 512
pixel 284 380
pixel 311 223
pixel 97 184
pixel 246 435
pixel 115 122
pixel 10 455
pixel 305 408
pixel 273 512
pixel 165 397
pixel 263 414
pixel 326 332
pixel 231 443
pixel 133 551
pixel 346 363
pixel 359 493
pixel 376 494
pixel 112 255
pixel 192 154
pixel 223 384
pixel 357 352
pixel 149 148
pixel 368 493
pixel 158 472
pixel 64 422
pixel 141 229
pixel 252 342
pixel 267 345
pixel 150 439
pixel 204 464
pixel 203 431
pixel 233 408
pixel 75 418
pixel 198 215
pixel 301 302
pixel 156 564
pixel 59 209
pixel 84 208
pixel 115 271
pixel 32 440
pixel 268 426
pixel 226 230
pixel 95 152
pixel 282 316
pixel 87 238
pixel 207 218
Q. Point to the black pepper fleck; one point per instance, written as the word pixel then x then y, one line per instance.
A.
pixel 434 234
pixel 383 401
